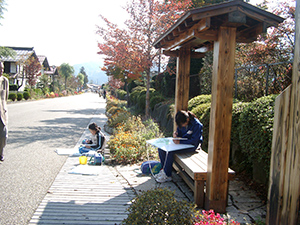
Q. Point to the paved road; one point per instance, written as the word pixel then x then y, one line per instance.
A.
pixel 36 129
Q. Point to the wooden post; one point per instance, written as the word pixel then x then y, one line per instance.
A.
pixel 220 120
pixel 182 80
pixel 284 190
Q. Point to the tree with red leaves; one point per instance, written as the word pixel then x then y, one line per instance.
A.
pixel 129 52
pixel 32 70
pixel 274 47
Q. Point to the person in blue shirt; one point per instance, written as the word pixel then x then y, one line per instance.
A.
pixel 190 130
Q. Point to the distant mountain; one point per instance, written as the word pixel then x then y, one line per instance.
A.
pixel 93 71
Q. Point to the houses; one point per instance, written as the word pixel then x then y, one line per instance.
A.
pixel 15 65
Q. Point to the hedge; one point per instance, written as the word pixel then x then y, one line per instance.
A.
pixel 13 87
pixel 155 100
pixel 26 95
pixel 12 96
pixel 251 130
pixel 200 109
pixel 256 129
pixel 19 96
pixel 196 101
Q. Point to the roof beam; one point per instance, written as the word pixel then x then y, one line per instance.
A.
pixel 214 12
pixel 211 35
pixel 201 26
pixel 176 54
pixel 258 16
pixel 250 34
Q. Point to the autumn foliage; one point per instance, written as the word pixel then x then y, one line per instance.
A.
pixel 129 51
pixel 32 70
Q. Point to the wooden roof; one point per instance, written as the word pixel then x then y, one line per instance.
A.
pixel 199 27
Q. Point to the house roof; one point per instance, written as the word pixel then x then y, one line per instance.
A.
pixel 53 71
pixel 199 27
pixel 44 62
pixel 22 54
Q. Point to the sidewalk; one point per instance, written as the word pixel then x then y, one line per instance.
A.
pixel 243 204
pixel 103 198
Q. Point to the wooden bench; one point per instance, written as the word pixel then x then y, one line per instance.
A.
pixel 192 167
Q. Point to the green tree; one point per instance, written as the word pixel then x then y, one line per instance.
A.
pixel 44 83
pixel 86 79
pixel 66 71
pixel 80 78
pixel 2 8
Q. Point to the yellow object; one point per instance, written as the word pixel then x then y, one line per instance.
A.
pixel 82 160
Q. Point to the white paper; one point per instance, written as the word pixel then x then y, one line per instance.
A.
pixel 167 144
pixel 68 151
pixel 86 170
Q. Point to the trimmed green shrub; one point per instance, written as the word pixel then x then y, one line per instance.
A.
pixel 256 130
pixel 19 96
pixel 159 206
pixel 155 100
pixel 204 119
pixel 238 160
pixel 135 93
pixel 198 100
pixel 200 109
pixel 26 95
pixel 141 101
pixel 13 87
pixel 39 92
pixel 12 96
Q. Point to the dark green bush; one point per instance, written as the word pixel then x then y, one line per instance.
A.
pixel 13 87
pixel 155 100
pixel 204 119
pixel 256 130
pixel 39 92
pixel 121 94
pixel 200 109
pixel 141 99
pixel 19 96
pixel 198 100
pixel 12 96
pixel 26 95
pixel 159 206
pixel 135 93
pixel 238 159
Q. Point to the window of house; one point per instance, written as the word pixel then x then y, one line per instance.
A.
pixel 13 68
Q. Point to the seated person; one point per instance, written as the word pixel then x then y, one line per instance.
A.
pixel 189 128
pixel 97 141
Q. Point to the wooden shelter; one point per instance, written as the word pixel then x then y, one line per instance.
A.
pixel 217 27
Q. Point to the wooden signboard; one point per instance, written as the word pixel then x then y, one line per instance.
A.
pixel 284 189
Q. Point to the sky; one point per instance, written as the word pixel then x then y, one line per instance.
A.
pixel 62 30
